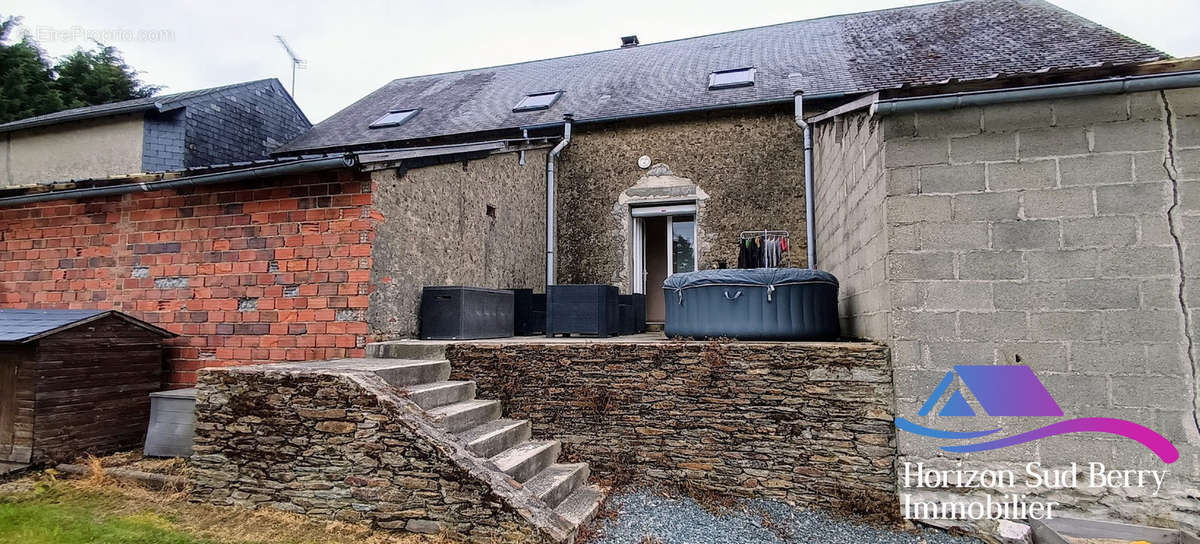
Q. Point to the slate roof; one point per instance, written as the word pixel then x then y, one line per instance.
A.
pixel 159 103
pixel 19 326
pixel 852 53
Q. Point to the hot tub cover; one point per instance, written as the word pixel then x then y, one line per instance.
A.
pixel 750 276
pixel 752 304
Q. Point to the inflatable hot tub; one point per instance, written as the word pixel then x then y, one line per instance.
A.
pixel 752 304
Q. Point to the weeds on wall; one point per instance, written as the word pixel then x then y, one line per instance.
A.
pixel 713 358
pixel 714 501
pixel 873 507
pixel 508 385
pixel 598 397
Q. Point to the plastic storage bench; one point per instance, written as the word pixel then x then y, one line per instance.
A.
pixel 637 304
pixel 172 423
pixel 591 310
pixel 756 304
pixel 466 313
pixel 529 311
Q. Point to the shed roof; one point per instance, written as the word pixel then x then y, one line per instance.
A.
pixel 21 326
pixel 854 53
pixel 160 103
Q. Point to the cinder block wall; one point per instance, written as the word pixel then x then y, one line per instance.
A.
pixel 850 238
pixel 1063 235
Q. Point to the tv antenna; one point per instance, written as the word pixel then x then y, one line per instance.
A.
pixel 297 62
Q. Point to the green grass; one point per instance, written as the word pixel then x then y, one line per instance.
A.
pixel 45 522
pixel 42 509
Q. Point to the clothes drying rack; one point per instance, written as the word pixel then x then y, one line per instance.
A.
pixel 778 234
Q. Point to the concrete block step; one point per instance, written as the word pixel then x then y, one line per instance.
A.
pixel 407 349
pixel 556 482
pixel 528 458
pixel 579 507
pixel 461 416
pixel 407 372
pixel 495 436
pixel 432 395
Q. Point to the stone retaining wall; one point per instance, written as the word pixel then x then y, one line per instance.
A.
pixel 808 423
pixel 327 446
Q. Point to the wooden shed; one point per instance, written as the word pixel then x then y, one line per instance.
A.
pixel 75 382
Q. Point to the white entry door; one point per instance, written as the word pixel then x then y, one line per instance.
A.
pixel 664 243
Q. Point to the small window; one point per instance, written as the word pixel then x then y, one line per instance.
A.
pixel 728 79
pixel 394 118
pixel 537 101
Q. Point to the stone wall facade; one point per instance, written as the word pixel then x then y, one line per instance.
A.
pixel 325 446
pixel 480 223
pixel 271 270
pixel 809 423
pixel 1062 235
pixel 851 238
pixel 749 162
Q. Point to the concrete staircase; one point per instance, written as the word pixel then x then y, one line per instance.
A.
pixel 421 374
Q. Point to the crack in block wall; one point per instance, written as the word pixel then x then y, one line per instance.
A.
pixel 1062 235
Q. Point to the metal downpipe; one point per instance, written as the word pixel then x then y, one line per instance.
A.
pixel 551 218
pixel 809 220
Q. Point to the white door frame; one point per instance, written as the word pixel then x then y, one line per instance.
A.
pixel 669 211
pixel 639 256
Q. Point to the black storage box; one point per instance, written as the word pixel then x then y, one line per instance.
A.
pixel 627 324
pixel 582 309
pixel 529 311
pixel 466 313
pixel 637 302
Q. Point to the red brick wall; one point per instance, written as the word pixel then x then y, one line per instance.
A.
pixel 246 272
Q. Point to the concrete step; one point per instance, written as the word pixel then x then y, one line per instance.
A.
pixel 579 507
pixel 495 436
pixel 432 395
pixel 528 458
pixel 407 372
pixel 461 416
pixel 557 482
pixel 407 349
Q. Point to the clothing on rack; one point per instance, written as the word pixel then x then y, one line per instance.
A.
pixel 762 249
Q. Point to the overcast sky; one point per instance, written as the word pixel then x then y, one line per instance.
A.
pixel 354 47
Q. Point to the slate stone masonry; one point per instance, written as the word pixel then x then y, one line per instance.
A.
pixel 323 445
pixel 809 423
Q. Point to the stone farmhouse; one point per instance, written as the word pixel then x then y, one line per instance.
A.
pixel 992 183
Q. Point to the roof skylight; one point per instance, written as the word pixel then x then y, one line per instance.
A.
pixel 728 79
pixel 394 118
pixel 537 101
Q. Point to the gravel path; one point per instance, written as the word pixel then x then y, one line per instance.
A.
pixel 646 517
